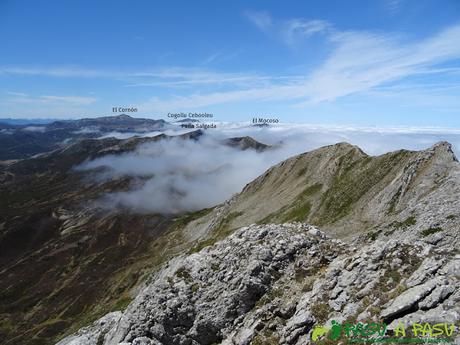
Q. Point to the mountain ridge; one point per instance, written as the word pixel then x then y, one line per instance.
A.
pixel 351 188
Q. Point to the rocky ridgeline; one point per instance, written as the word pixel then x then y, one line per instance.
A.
pixel 270 284
pixel 428 196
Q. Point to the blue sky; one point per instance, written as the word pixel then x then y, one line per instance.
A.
pixel 382 62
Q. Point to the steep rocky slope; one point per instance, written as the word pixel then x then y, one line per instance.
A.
pixel 271 284
pixel 348 193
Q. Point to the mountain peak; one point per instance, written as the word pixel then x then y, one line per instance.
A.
pixel 245 143
pixel 123 117
pixel 338 149
pixel 444 151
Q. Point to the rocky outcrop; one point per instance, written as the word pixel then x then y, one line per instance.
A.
pixel 270 284
pixel 200 297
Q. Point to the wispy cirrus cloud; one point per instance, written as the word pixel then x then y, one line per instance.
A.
pixel 290 30
pixel 261 19
pixel 218 57
pixel 359 62
pixel 301 29
pixel 232 80
pixel 76 72
pixel 393 6
pixel 22 98
pixel 69 99
pixel 211 58
pixel 63 72
pixel 16 94
pixel 37 106
pixel 165 77
pixel 197 100
pixel 362 61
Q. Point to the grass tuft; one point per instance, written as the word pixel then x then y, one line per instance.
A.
pixel 431 230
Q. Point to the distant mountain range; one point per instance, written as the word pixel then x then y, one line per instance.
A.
pixel 24 140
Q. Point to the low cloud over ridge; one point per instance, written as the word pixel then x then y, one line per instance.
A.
pixel 179 175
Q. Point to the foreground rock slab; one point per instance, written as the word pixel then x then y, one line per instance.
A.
pixel 270 284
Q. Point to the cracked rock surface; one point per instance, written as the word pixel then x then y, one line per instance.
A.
pixel 270 284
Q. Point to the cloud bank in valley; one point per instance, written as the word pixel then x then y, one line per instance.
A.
pixel 179 175
pixel 298 138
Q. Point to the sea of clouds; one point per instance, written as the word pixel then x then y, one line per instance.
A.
pixel 179 175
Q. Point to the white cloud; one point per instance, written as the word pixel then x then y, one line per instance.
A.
pixel 76 72
pixel 165 77
pixel 41 129
pixel 179 176
pixel 50 106
pixel 52 99
pixel 298 138
pixel 211 58
pixel 78 100
pixel 209 78
pixel 301 29
pixel 55 72
pixel 393 6
pixel 261 19
pixel 426 96
pixel 17 94
pixel 362 61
